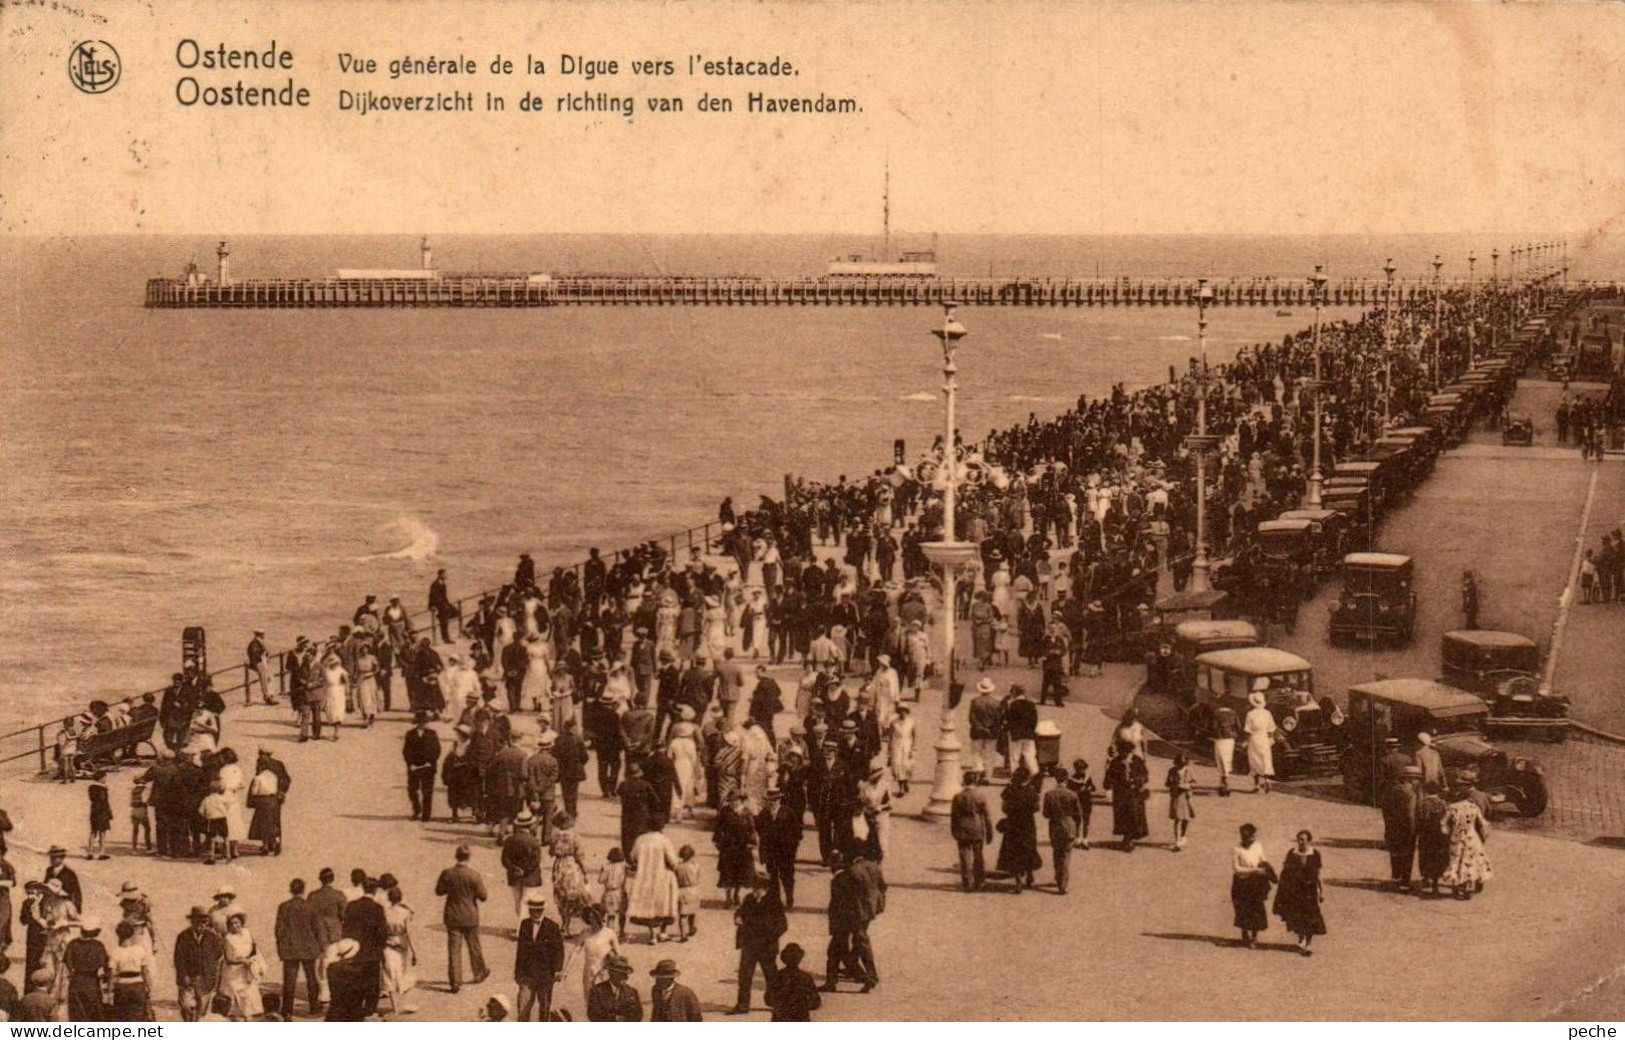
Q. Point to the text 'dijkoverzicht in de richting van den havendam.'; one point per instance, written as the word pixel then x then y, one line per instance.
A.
pixel 271 76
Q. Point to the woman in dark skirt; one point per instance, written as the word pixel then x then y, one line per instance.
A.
pixel 735 839
pixel 1130 784
pixel 461 776
pixel 1297 900
pixel 1432 843
pixel 1250 882
pixel 1018 852
pixel 85 960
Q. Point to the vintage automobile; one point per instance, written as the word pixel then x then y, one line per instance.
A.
pixel 1287 551
pixel 1424 442
pixel 1378 600
pixel 1449 415
pixel 1503 668
pixel 1519 429
pixel 1176 670
pixel 1390 713
pixel 1329 528
pixel 1355 504
pixel 1308 741
pixel 1560 368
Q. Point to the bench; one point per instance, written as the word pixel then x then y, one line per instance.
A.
pixel 103 748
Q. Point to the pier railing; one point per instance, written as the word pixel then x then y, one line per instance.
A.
pixel 39 740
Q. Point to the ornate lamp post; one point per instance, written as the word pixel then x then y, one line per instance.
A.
pixel 1472 309
pixel 1199 442
pixel 1495 295
pixel 1387 336
pixel 1317 287
pixel 1437 265
pixel 950 554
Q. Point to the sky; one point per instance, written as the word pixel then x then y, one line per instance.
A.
pixel 1014 117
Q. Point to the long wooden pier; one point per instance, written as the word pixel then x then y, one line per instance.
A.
pixel 474 290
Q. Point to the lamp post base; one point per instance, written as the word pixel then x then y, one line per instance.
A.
pixel 946 782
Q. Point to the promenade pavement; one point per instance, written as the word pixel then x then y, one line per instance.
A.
pixel 1141 936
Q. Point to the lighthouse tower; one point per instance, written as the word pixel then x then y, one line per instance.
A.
pixel 223 256
pixel 426 255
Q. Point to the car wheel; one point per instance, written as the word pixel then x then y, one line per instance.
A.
pixel 1530 803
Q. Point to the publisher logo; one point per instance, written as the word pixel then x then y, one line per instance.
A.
pixel 93 66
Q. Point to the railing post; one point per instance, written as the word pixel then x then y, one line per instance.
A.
pixel 248 688
pixel 43 768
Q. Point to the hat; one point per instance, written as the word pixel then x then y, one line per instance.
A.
pixel 984 685
pixel 237 915
pixel 418 718
pixel 616 963
pixel 460 728
pixel 55 886
pixel 884 659
pixel 535 902
pixel 43 977
pixel 259 631
pixel 56 850
pixel 1424 738
pixel 1257 699
pixel 344 949
pixel 501 1000
pixel 849 725
pixel 198 914
pixel 129 890
pixel 792 954
pixel 666 969
pixel 225 890
pixel 90 925
pixel 524 819
pixel 685 712
pixel 547 738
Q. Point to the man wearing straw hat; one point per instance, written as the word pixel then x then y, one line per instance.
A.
pixel 199 952
pixel 522 861
pixel 538 961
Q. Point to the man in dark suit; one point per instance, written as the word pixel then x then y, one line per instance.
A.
pixel 793 995
pixel 441 608
pixel 1065 816
pixel 972 828
pixel 327 903
pixel 613 1000
pixel 538 962
pixel 637 806
pixel 872 883
pixel 364 922
pixel 522 862
pixel 60 871
pixel 779 830
pixel 464 891
pixel 198 953
pixel 1020 720
pixel 848 914
pixel 572 757
pixel 422 753
pixel 298 947
pixel 759 922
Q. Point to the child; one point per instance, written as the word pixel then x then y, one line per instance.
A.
pixel 1083 785
pixel 688 894
pixel 214 810
pixel 1180 784
pixel 140 821
pixel 67 750
pixel 613 878
pixel 101 817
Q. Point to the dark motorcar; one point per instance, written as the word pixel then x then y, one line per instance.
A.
pixel 1519 429
pixel 1287 554
pixel 1329 532
pixel 1503 668
pixel 1378 600
pixel 1191 639
pixel 1355 504
pixel 1157 637
pixel 1307 737
pixel 1390 713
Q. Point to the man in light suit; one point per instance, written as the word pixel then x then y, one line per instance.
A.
pixel 972 829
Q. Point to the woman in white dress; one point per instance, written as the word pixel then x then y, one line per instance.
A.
pixel 336 682
pixel 537 690
pixel 242 968
pixel 715 634
pixel 233 784
pixel 366 685
pixel 506 632
pixel 682 747
pixel 761 763
pixel 1260 729
pixel 758 622
pixel 597 943
pixel 651 898
pixel 666 622
pixel 1003 602
pixel 532 606
pixel 618 687
pixel 400 956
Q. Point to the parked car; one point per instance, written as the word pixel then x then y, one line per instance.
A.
pixel 1503 668
pixel 1286 549
pixel 1390 713
pixel 1378 600
pixel 1329 529
pixel 1306 739
pixel 1353 502
pixel 1190 640
pixel 1519 429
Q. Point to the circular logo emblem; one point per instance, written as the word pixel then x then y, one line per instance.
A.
pixel 93 66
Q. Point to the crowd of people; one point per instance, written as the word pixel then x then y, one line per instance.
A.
pixel 654 669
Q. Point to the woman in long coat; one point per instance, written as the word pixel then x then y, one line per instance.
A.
pixel 1298 899
pixel 735 838
pixel 651 897
pixel 1469 865
pixel 461 775
pixel 982 616
pixel 1018 852
pixel 1250 879
pixel 536 690
pixel 1129 782
pixel 682 747
pixel 1032 628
